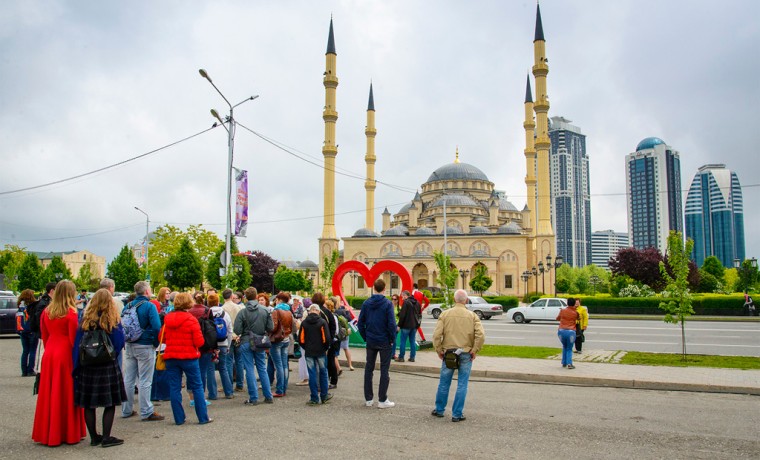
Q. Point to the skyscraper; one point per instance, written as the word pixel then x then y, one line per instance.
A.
pixel 605 245
pixel 570 192
pixel 715 215
pixel 653 186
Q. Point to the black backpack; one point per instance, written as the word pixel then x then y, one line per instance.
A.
pixel 34 310
pixel 208 329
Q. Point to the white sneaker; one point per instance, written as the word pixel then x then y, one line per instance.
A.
pixel 387 404
pixel 369 403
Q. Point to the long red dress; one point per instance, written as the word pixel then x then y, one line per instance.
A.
pixel 57 420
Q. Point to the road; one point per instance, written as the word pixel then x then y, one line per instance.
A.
pixel 504 420
pixel 702 337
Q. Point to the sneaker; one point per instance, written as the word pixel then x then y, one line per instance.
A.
pixel 229 396
pixel 435 413
pixel 302 383
pixel 210 420
pixel 313 403
pixel 192 402
pixel 399 360
pixel 387 404
pixel 458 419
pixel 278 395
pixel 251 402
pixel 327 398
pixel 134 412
pixel 369 403
pixel 111 441
pixel 411 360
pixel 332 386
pixel 239 389
pixel 570 366
pixel 268 401
pixel 154 417
pixel 96 440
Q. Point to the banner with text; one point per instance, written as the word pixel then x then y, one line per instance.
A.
pixel 241 203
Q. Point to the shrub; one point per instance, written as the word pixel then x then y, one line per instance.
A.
pixel 710 304
pixel 506 301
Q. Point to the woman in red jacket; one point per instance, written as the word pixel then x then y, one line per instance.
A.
pixel 183 337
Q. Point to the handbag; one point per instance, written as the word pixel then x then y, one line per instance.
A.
pixel 95 348
pixel 260 342
pixel 160 363
pixel 451 358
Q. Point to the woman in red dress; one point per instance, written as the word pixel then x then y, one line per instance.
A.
pixel 57 420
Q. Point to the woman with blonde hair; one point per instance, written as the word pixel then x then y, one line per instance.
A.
pixel 56 419
pixel 100 385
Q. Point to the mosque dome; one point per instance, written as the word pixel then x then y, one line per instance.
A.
pixel 649 143
pixel 509 229
pixel 455 200
pixel 479 230
pixel 405 209
pixel 457 171
pixel 365 233
pixel 506 205
pixel 308 264
pixel 398 230
pixel 424 231
pixel 453 231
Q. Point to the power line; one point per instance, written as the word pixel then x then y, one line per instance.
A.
pixel 120 163
pixel 79 236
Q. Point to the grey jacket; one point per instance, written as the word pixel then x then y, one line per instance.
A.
pixel 253 319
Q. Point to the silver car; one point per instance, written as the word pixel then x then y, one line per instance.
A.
pixel 475 304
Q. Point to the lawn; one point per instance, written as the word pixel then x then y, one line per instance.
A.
pixel 676 360
pixel 512 351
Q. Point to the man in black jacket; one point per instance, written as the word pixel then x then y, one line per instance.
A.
pixel 408 322
pixel 36 309
pixel 332 324
pixel 315 339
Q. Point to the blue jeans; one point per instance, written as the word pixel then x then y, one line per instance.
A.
pixel 463 377
pixel 174 370
pixel 204 363
pixel 317 377
pixel 369 369
pixel 279 354
pixel 408 334
pixel 160 389
pixel 223 374
pixel 28 352
pixel 260 359
pixel 567 337
pixel 235 366
pixel 139 363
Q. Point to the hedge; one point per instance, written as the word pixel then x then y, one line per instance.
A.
pixel 717 305
pixel 506 302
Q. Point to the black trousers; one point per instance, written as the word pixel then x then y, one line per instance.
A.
pixel 385 352
pixel 332 370
pixel 579 338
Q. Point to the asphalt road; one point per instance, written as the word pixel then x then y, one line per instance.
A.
pixel 702 337
pixel 504 420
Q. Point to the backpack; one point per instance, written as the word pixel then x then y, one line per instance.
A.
pixel 95 348
pixel 22 319
pixel 417 312
pixel 344 330
pixel 208 329
pixel 221 327
pixel 131 323
pixel 34 310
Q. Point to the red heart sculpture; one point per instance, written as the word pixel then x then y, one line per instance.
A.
pixel 370 275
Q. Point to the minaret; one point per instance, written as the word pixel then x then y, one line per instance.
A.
pixel 329 240
pixel 541 107
pixel 369 158
pixel 530 159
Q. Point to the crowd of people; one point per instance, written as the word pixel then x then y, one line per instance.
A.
pixel 103 353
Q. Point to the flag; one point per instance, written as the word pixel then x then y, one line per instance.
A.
pixel 241 202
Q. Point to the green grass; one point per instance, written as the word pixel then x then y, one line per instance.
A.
pixel 691 318
pixel 676 360
pixel 512 351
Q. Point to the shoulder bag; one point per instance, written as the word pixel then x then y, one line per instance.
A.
pixel 95 348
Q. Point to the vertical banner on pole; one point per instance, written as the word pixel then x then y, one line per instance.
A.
pixel 241 202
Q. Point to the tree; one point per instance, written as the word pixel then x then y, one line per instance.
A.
pixel 713 266
pixel 166 241
pixel 329 264
pixel 239 277
pixel 480 280
pixel 747 276
pixel 707 282
pixel 29 273
pixel 641 265
pixel 286 279
pixel 677 305
pixel 11 258
pixel 87 279
pixel 731 277
pixel 185 267
pixel 124 271
pixel 54 272
pixel 261 263
pixel 447 276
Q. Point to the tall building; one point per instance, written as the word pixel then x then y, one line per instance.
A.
pixel 653 186
pixel 715 215
pixel 570 192
pixel 605 244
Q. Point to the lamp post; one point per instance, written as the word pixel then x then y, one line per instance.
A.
pixel 353 284
pixel 594 280
pixel 525 277
pixel 534 272
pixel 58 277
pixel 541 270
pixel 463 274
pixel 558 261
pixel 271 273
pixel 147 226
pixel 311 278
pixel 231 146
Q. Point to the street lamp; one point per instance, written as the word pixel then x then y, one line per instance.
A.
pixel 271 273
pixel 558 261
pixel 744 272
pixel 353 283
pixel 594 280
pixel 463 274
pixel 541 270
pixel 525 277
pixel 147 226
pixel 534 272
pixel 231 147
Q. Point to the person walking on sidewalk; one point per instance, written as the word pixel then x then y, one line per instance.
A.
pixel 567 318
pixel 377 326
pixel 580 326
pixel 408 322
pixel 458 333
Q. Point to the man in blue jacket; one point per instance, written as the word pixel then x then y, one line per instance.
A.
pixel 377 326
pixel 140 355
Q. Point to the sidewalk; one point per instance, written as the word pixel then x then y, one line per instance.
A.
pixel 699 379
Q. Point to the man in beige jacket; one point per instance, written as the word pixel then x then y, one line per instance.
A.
pixel 459 331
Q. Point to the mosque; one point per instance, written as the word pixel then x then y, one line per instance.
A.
pixel 458 208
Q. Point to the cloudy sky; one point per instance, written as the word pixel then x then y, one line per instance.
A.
pixel 90 84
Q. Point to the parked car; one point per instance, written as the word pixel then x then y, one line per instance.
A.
pixel 478 305
pixel 540 310
pixel 8 309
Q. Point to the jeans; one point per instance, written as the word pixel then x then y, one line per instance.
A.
pixel 317 377
pixel 28 352
pixel 332 369
pixel 279 354
pixel 260 359
pixel 270 367
pixel 223 374
pixel 204 363
pixel 385 364
pixel 160 389
pixel 409 334
pixel 578 337
pixel 567 337
pixel 235 366
pixel 174 370
pixel 444 384
pixel 139 362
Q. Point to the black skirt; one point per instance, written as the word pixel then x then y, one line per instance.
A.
pixel 100 386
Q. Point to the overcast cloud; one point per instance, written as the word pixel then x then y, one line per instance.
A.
pixel 88 84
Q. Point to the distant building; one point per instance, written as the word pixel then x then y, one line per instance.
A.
pixel 570 192
pixel 75 260
pixel 605 244
pixel 715 215
pixel 653 186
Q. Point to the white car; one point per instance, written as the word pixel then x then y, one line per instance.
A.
pixel 475 304
pixel 540 310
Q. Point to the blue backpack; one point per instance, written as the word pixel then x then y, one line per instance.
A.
pixel 221 327
pixel 131 323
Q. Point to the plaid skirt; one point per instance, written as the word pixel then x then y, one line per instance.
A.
pixel 99 386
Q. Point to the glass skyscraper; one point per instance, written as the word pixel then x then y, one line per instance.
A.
pixel 715 215
pixel 570 192
pixel 605 245
pixel 653 186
